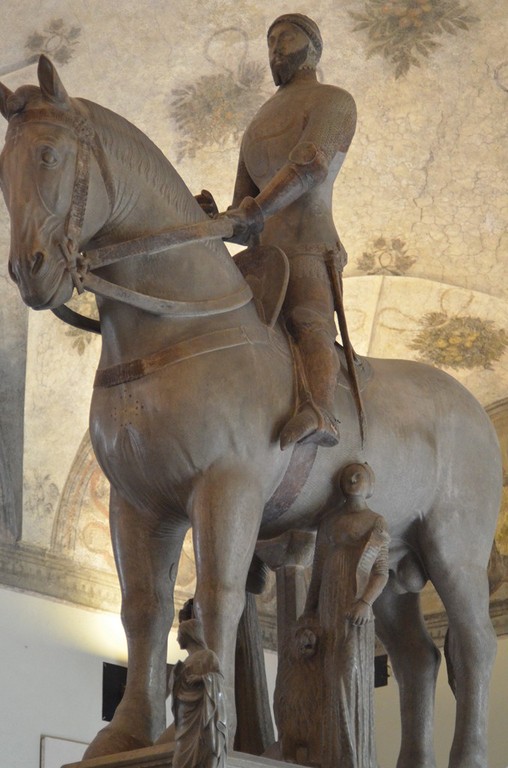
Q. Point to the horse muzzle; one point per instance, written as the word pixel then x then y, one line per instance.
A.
pixel 42 282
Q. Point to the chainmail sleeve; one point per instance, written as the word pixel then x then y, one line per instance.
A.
pixel 374 558
pixel 331 122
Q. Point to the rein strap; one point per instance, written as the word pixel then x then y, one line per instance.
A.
pixel 167 307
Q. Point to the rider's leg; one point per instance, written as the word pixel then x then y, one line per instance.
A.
pixel 314 420
pixel 309 311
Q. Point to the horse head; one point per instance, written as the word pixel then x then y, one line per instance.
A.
pixel 54 184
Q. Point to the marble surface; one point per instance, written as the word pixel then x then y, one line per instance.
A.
pixel 421 202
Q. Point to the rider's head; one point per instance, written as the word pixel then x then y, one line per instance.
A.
pixel 294 42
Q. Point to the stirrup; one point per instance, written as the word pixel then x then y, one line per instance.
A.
pixel 310 425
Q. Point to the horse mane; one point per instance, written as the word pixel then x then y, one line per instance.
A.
pixel 135 151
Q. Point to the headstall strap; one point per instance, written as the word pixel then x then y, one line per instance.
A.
pixel 76 214
pixel 87 141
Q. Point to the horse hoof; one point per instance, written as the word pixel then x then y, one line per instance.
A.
pixel 110 741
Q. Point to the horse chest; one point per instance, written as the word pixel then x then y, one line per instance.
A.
pixel 133 436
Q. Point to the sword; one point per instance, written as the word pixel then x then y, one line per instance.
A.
pixel 336 284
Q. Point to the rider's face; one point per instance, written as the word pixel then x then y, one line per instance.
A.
pixel 287 51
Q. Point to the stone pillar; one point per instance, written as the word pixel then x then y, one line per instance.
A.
pixel 289 556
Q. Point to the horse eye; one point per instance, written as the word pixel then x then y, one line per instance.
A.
pixel 49 156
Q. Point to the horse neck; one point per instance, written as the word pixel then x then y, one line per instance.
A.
pixel 150 196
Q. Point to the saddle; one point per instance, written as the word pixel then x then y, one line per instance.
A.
pixel 266 270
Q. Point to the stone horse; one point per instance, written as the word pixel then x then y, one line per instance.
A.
pixel 191 394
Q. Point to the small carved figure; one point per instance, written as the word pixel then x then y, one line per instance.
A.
pixel 290 156
pixel 297 704
pixel 350 571
pixel 199 707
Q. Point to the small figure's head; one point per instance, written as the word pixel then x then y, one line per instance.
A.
pixel 357 480
pixel 294 42
pixel 190 632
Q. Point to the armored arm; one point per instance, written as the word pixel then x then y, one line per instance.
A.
pixel 374 561
pixel 306 167
pixel 329 130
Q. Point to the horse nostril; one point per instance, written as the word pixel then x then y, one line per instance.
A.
pixel 36 262
pixel 12 273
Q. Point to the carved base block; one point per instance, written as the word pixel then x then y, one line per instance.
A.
pixel 161 755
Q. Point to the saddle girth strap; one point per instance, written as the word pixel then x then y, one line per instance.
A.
pixel 224 338
pixel 291 485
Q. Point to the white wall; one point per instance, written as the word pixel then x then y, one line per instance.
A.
pixel 51 683
pixel 387 717
pixel 51 658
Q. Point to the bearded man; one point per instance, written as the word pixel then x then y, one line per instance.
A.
pixel 290 156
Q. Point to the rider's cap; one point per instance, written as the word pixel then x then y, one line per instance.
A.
pixel 308 26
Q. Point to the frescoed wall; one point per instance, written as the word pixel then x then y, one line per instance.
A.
pixel 421 204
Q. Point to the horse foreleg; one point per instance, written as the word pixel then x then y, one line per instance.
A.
pixel 415 662
pixel 146 558
pixel 471 650
pixel 225 513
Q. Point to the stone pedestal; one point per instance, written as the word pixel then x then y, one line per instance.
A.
pixel 161 755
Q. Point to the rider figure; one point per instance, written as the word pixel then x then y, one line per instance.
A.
pixel 290 156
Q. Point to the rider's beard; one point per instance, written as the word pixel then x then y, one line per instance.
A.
pixel 285 68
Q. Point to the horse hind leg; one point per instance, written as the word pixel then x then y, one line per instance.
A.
pixel 471 647
pixel 415 662
pixel 147 557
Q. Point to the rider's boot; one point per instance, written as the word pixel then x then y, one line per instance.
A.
pixel 314 421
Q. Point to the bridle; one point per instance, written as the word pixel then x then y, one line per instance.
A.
pixel 80 265
pixel 88 143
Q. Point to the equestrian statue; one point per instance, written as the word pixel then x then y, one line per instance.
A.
pixel 196 384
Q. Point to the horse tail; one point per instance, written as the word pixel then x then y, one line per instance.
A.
pixel 452 681
pixel 257 576
pixel 497 569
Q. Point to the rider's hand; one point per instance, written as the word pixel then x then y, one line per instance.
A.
pixel 247 220
pixel 207 203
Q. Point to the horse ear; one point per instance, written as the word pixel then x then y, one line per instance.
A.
pixel 51 86
pixel 4 95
